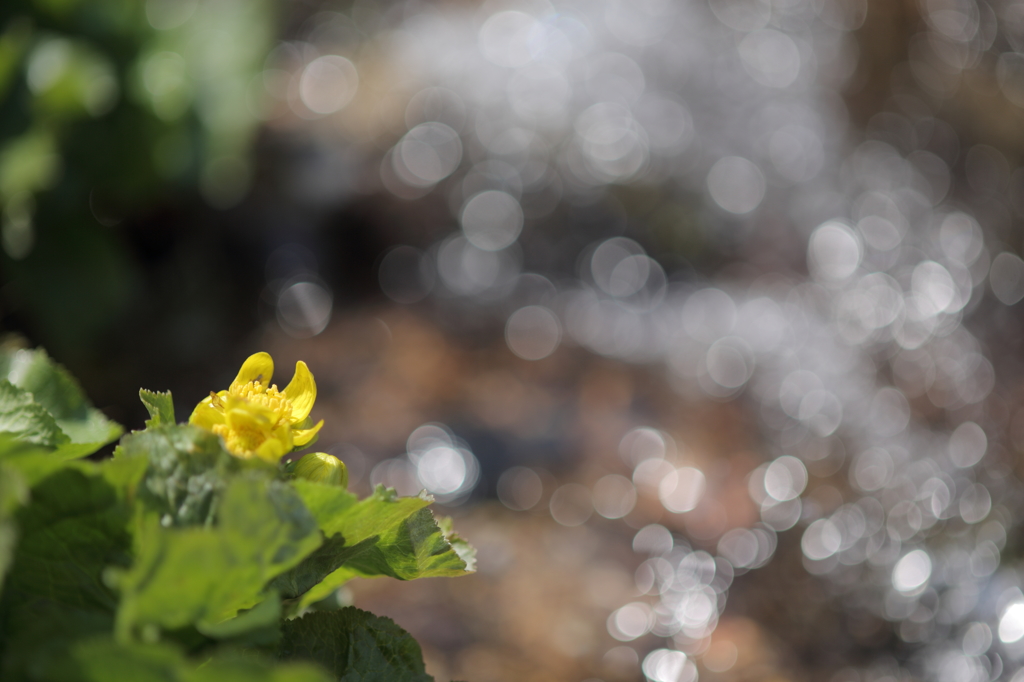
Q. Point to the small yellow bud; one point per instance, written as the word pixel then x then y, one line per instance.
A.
pixel 322 468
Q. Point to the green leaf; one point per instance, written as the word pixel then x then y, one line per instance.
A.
pixel 39 635
pixel 26 419
pixel 265 615
pixel 31 462
pixel 91 432
pixel 466 551
pixel 74 527
pixel 101 659
pixel 253 670
pixel 187 472
pixel 125 474
pixel 35 462
pixel 58 393
pixel 355 646
pixel 160 407
pixel 52 386
pixel 413 548
pixel 381 535
pixel 320 573
pixel 204 576
pixel 339 511
pixel 13 494
pixel 13 490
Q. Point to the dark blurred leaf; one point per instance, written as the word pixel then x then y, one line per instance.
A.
pixel 13 42
pixel 251 670
pixel 100 659
pixel 74 527
pixel 355 646
pixel 38 638
pixel 28 163
pixel 13 494
pixel 70 529
pixel 206 575
pixel 160 407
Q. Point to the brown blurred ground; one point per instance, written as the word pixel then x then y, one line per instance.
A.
pixel 536 609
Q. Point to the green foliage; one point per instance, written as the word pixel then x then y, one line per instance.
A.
pixel 45 422
pixel 187 471
pixel 354 645
pixel 13 493
pixel 174 560
pixel 101 659
pixel 159 405
pixel 205 576
pixel 460 546
pixel 23 417
pixel 40 635
pixel 382 535
pixel 73 528
pixel 41 403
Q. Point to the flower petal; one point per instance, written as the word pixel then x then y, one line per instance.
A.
pixel 305 436
pixel 272 449
pixel 249 418
pixel 206 415
pixel 257 367
pixel 301 392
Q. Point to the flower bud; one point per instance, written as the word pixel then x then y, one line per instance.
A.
pixel 322 468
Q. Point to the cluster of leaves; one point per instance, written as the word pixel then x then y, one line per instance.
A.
pixel 174 560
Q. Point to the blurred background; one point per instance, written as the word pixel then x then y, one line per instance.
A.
pixel 701 317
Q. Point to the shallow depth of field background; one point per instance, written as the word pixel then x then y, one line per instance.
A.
pixel 701 317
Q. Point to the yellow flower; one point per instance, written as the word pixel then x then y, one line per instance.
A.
pixel 254 418
pixel 322 468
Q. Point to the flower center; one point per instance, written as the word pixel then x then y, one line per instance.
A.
pixel 241 439
pixel 244 436
pixel 264 396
